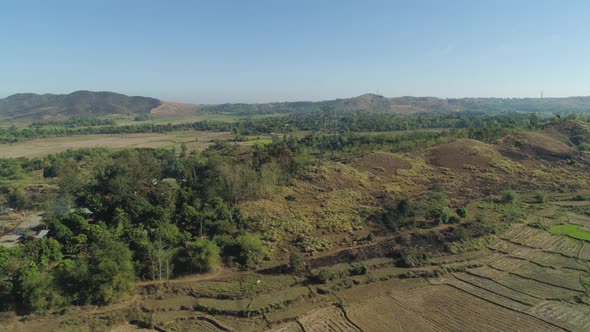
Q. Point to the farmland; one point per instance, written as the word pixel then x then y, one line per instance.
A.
pixel 194 141
pixel 218 231
pixel 506 286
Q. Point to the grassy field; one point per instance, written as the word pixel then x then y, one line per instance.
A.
pixel 575 231
pixel 195 140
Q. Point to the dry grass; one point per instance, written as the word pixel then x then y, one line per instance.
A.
pixel 195 140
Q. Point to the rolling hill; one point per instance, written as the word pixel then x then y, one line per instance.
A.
pixel 85 104
pixel 380 104
pixel 88 104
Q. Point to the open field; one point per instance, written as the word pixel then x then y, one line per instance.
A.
pixel 195 141
pixel 576 231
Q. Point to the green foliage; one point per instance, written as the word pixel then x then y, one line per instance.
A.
pixel 509 196
pixel 359 270
pixel 35 290
pixel 462 212
pixel 19 199
pixel 540 197
pixel 252 250
pixel 371 237
pixel 204 255
pixel 414 257
pixel 296 262
pixel 325 275
pixel 44 251
pixel 110 272
pixel 575 231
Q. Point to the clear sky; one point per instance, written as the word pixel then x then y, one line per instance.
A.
pixel 257 51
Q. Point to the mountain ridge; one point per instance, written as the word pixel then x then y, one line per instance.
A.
pixel 87 104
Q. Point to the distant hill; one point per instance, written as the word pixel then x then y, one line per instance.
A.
pixel 84 104
pixel 87 104
pixel 380 104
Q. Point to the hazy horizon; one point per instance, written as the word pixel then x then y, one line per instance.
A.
pixel 265 51
pixel 298 100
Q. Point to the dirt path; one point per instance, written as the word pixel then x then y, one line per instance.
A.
pixel 191 278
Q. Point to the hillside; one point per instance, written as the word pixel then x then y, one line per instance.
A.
pixel 88 104
pixel 380 104
pixel 75 104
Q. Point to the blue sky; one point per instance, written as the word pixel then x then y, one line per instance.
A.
pixel 259 51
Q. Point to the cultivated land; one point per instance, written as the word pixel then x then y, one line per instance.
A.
pixel 524 280
pixel 495 233
pixel 194 140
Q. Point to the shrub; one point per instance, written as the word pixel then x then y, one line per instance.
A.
pixel 204 255
pixel 325 275
pixel 540 197
pixel 252 250
pixel 290 197
pixel 360 270
pixel 509 196
pixel 462 212
pixel 371 237
pixel 296 262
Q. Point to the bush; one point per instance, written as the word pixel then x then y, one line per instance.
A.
pixel 296 263
pixel 204 255
pixel 290 197
pixel 540 197
pixel 462 212
pixel 325 275
pixel 509 196
pixel 360 270
pixel 371 237
pixel 251 250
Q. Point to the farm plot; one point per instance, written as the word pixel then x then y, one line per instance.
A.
pixel 508 264
pixel 171 303
pixel 565 278
pixel 578 219
pixel 557 261
pixel 327 319
pixel 289 327
pixel 453 310
pixel 585 252
pixel 538 238
pixel 571 316
pixel 194 324
pixel 523 285
pixel 466 257
pixel 496 288
pixel 276 299
pixel 572 230
pixel 537 256
pixel 486 295
pixel 385 314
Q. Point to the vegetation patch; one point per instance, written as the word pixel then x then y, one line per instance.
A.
pixel 573 230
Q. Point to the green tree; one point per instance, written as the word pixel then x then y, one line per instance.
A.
pixel 204 255
pixel 160 258
pixel 35 290
pixel 44 251
pixel 110 271
pixel 251 250
pixel 296 262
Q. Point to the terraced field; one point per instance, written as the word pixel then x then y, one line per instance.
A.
pixel 527 280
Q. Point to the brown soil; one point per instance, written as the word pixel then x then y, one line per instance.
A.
pixel 461 155
pixel 380 163
pixel 176 109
